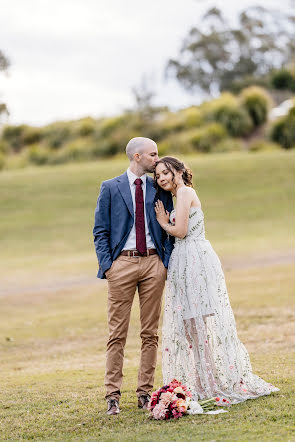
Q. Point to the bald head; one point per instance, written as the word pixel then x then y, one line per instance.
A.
pixel 138 145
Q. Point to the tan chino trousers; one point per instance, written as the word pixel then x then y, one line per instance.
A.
pixel 148 275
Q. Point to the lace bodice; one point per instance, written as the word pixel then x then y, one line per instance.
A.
pixel 196 227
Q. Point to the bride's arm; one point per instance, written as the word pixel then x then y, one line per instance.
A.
pixel 185 197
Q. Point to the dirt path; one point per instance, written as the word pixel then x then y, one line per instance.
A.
pixel 257 261
pixel 228 263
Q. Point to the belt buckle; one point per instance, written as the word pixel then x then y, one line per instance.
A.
pixel 131 253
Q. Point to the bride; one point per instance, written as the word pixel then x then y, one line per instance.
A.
pixel 201 347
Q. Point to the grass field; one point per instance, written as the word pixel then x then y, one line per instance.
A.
pixel 53 326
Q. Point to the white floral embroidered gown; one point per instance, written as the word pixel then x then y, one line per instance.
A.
pixel 200 343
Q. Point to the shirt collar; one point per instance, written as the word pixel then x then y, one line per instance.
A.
pixel 132 177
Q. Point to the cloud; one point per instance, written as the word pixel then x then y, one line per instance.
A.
pixel 81 57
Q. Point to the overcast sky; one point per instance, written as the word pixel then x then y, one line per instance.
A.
pixel 73 58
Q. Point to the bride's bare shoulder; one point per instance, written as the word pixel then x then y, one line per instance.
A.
pixel 185 190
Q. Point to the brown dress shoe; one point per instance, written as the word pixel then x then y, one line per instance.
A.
pixel 143 401
pixel 113 407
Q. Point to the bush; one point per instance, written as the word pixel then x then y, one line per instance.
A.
pixel 257 102
pixel 3 147
pixel 174 122
pixel 283 79
pixel 178 143
pixel 164 148
pixel 86 127
pixel 283 130
pixel 228 145
pixel 238 85
pixel 205 138
pixel 2 161
pixel 56 135
pixel 262 145
pixel 38 155
pixel 13 135
pixel 170 122
pixel 31 135
pixel 192 117
pixel 103 149
pixel 76 150
pixel 108 125
pixel 226 111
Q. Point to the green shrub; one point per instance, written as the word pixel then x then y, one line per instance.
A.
pixel 228 145
pixel 192 117
pixel 227 111
pixel 76 150
pixel 170 122
pixel 109 125
pixel 263 145
pixel 2 161
pixel 205 138
pixel 236 121
pixel 57 134
pixel 238 85
pixel 31 135
pixel 257 102
pixel 13 135
pixel 283 79
pixel 174 122
pixel 283 130
pixel 3 147
pixel 116 142
pixel 164 148
pixel 103 149
pixel 86 127
pixel 38 155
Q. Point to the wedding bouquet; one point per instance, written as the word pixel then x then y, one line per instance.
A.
pixel 174 400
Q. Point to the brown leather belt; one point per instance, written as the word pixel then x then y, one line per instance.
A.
pixel 136 253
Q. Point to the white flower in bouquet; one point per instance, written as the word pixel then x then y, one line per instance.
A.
pixel 195 408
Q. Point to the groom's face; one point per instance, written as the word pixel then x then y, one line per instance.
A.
pixel 149 157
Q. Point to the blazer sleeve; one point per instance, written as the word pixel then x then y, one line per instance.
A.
pixel 169 240
pixel 101 230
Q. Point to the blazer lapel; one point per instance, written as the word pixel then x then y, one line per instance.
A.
pixel 150 196
pixel 124 188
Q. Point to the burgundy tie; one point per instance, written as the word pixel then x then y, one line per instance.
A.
pixel 139 218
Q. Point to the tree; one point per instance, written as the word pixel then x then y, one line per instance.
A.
pixel 216 55
pixel 4 64
pixel 144 96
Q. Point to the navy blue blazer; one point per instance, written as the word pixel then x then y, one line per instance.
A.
pixel 114 218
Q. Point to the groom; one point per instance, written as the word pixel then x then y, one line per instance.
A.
pixel 133 252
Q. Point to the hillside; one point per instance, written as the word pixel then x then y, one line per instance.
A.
pixel 53 310
pixel 228 123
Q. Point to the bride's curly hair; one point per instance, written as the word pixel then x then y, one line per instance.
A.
pixel 172 164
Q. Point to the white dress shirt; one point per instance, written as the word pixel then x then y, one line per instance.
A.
pixel 131 241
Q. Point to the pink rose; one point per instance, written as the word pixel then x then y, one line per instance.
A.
pixel 159 412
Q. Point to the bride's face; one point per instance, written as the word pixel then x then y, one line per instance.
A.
pixel 164 177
